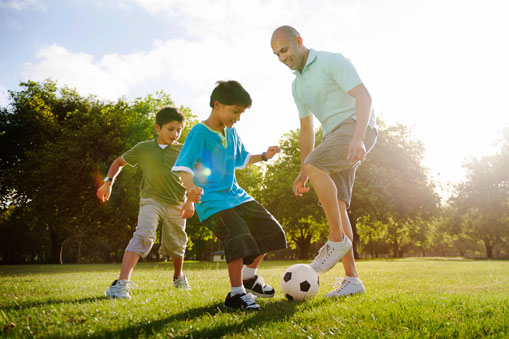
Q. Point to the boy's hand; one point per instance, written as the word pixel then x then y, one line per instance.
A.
pixel 272 151
pixel 103 192
pixel 299 185
pixel 194 194
pixel 187 210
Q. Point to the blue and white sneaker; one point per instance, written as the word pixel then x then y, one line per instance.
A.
pixel 119 289
pixel 180 282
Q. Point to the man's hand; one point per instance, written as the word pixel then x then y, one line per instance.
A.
pixel 194 194
pixel 103 192
pixel 299 185
pixel 187 210
pixel 272 151
pixel 356 151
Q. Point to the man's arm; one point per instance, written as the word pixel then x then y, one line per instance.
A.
pixel 357 150
pixel 307 144
pixel 103 192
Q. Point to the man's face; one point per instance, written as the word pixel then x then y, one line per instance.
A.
pixel 169 132
pixel 290 51
pixel 229 114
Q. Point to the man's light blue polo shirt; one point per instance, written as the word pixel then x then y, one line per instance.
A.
pixel 322 89
pixel 212 158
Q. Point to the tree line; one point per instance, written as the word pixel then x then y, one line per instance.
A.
pixel 56 147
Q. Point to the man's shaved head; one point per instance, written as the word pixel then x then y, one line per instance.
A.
pixel 286 31
pixel 287 44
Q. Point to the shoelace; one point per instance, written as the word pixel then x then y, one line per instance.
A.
pixel 128 284
pixel 340 283
pixel 249 299
pixel 322 253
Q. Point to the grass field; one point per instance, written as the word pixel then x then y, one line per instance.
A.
pixel 406 298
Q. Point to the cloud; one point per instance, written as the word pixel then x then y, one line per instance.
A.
pixel 20 5
pixel 435 76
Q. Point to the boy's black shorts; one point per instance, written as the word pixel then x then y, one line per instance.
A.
pixel 247 231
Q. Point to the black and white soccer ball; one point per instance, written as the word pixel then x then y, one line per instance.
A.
pixel 300 282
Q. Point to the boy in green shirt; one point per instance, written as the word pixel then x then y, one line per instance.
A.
pixel 162 196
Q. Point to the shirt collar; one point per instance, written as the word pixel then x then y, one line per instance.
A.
pixel 309 61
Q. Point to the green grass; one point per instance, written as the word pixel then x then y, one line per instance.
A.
pixel 405 298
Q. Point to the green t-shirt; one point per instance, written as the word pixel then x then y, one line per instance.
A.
pixel 158 182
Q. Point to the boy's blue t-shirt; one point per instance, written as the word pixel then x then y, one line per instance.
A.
pixel 212 159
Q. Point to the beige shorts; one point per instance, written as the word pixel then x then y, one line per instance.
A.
pixel 173 233
pixel 330 156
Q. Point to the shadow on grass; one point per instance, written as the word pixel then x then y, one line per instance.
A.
pixel 30 304
pixel 271 312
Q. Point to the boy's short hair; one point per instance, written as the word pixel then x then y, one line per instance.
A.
pixel 230 93
pixel 168 114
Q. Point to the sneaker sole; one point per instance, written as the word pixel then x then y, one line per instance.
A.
pixel 228 308
pixel 344 295
pixel 260 295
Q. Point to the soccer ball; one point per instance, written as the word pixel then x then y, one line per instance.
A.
pixel 300 282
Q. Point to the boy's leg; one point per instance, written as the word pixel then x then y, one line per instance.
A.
pixel 129 261
pixel 178 262
pixel 173 243
pixel 139 246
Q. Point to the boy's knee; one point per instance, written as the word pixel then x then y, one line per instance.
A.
pixel 140 245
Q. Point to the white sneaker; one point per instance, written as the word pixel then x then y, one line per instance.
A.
pixel 328 257
pixel 346 286
pixel 119 289
pixel 181 282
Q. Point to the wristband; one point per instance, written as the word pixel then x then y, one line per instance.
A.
pixel 264 158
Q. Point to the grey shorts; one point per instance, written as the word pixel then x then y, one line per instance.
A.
pixel 330 156
pixel 173 233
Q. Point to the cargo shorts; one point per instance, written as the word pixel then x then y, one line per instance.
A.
pixel 330 156
pixel 173 232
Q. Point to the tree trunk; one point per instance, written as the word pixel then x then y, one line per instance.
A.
pixel 62 252
pixel 303 244
pixel 54 256
pixel 355 239
pixel 489 248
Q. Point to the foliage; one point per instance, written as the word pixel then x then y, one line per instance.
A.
pixel 393 187
pixel 481 202
pixel 301 217
pixel 56 147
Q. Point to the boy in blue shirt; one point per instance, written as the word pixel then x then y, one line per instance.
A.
pixel 207 163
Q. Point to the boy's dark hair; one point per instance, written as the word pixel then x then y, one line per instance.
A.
pixel 230 93
pixel 168 114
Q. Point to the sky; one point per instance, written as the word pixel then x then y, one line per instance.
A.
pixel 439 67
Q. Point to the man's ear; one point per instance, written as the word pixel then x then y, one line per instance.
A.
pixel 157 128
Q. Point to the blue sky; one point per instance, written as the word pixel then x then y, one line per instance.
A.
pixel 437 66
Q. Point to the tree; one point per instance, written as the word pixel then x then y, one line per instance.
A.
pixel 56 147
pixel 393 187
pixel 301 217
pixel 482 200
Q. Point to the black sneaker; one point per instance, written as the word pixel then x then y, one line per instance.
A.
pixel 256 286
pixel 244 301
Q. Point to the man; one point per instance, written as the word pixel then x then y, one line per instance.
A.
pixel 327 86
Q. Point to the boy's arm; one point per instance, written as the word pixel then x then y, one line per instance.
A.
pixel 271 152
pixel 103 192
pixel 193 192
